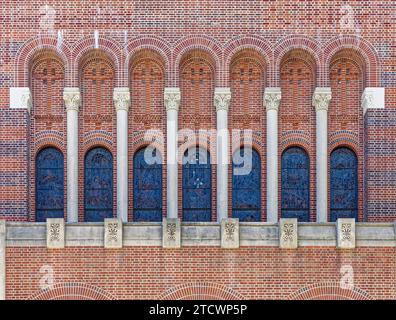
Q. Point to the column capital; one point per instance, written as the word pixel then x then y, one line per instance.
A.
pixel 272 98
pixel 72 98
pixel 222 98
pixel 172 97
pixel 21 98
pixel 122 98
pixel 373 98
pixel 321 98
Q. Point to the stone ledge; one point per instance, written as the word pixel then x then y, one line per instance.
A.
pixel 200 234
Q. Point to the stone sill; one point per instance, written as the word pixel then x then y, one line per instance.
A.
pixel 310 234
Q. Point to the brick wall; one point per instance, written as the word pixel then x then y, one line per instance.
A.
pixel 191 47
pixel 201 272
pixel 14 150
pixel 380 165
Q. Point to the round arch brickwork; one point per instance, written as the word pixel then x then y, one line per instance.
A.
pixel 290 43
pixel 261 46
pixel 362 47
pixel 72 291
pixel 156 44
pixel 206 44
pixel 200 291
pixel 31 48
pixel 329 291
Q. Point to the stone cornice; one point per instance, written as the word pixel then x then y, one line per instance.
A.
pixel 272 98
pixel 222 98
pixel 122 98
pixel 321 98
pixel 172 97
pixel 72 98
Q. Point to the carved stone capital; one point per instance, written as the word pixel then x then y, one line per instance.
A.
pixel 222 98
pixel 55 233
pixel 122 98
pixel 172 97
pixel 288 233
pixel 345 233
pixel 230 233
pixel 112 233
pixel 171 233
pixel 373 98
pixel 321 98
pixel 21 98
pixel 272 98
pixel 72 98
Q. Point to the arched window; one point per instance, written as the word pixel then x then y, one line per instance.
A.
pixel 246 186
pixel 147 185
pixel 343 184
pixel 295 184
pixel 197 186
pixel 98 181
pixel 49 184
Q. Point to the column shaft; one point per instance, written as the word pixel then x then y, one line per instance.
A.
pixel 320 101
pixel 172 101
pixel 222 100
pixel 121 98
pixel 272 97
pixel 71 97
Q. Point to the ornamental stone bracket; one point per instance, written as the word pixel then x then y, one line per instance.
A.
pixel 55 233
pixel 72 98
pixel 373 98
pixel 346 234
pixel 222 98
pixel 113 233
pixel 171 233
pixel 122 98
pixel 172 97
pixel 321 98
pixel 288 233
pixel 272 98
pixel 230 233
pixel 2 259
pixel 21 98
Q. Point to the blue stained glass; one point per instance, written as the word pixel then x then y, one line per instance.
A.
pixel 147 185
pixel 98 185
pixel 197 185
pixel 49 184
pixel 295 184
pixel 343 184
pixel 246 186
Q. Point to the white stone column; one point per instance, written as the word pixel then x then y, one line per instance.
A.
pixel 222 98
pixel 272 98
pixel 172 98
pixel 122 99
pixel 320 100
pixel 72 99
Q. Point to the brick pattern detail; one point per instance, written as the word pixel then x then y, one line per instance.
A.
pixel 245 273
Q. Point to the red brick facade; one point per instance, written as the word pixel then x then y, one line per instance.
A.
pixel 199 46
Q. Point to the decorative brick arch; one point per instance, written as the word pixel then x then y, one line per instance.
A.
pixel 156 44
pixel 72 291
pixel 262 47
pixel 362 47
pixel 111 48
pixel 30 48
pixel 297 42
pixel 206 44
pixel 329 291
pixel 200 291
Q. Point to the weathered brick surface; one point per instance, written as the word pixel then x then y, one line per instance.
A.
pixel 249 273
pixel 197 46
